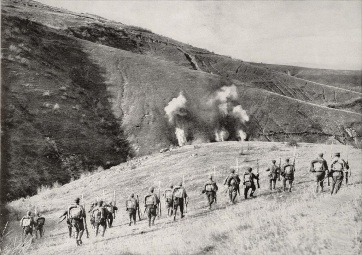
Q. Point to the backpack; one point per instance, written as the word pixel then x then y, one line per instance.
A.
pixel 26 222
pixel 178 193
pixel 288 170
pixel 109 208
pixel 247 177
pixel 131 204
pixel 76 213
pixel 338 165
pixel 97 215
pixel 318 166
pixel 168 194
pixel 40 221
pixel 210 187
pixel 150 200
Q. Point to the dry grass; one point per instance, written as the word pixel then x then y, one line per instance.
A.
pixel 300 222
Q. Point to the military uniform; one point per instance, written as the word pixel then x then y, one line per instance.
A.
pixel 99 214
pixel 151 203
pixel 168 200
pixel 179 197
pixel 288 175
pixel 338 166
pixel 319 167
pixel 28 224
pixel 77 223
pixel 132 205
pixel 39 227
pixel 210 189
pixel 233 182
pixel 273 175
pixel 248 182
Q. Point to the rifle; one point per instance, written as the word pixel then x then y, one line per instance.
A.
pixel 138 208
pixel 280 168
pixel 114 204
pixel 159 196
pixel 257 171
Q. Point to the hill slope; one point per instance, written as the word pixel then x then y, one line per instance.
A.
pixel 274 223
pixel 72 81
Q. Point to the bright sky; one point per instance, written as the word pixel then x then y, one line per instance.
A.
pixel 321 34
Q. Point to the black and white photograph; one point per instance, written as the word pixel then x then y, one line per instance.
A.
pixel 181 127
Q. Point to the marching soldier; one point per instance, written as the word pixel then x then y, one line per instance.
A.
pixel 288 175
pixel 131 208
pixel 248 182
pixel 151 203
pixel 338 166
pixel 169 201
pixel 179 197
pixel 273 175
pixel 233 182
pixel 210 190
pixel 319 167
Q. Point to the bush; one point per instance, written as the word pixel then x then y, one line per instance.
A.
pixel 293 143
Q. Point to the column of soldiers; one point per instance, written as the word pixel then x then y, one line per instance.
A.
pixel 176 198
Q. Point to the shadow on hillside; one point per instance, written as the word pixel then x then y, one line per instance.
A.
pixel 58 137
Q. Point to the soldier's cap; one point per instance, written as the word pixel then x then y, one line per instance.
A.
pixel 132 195
pixel 210 177
pixel 274 161
pixel 232 170
pixel 249 169
pixel 320 154
pixel 100 203
pixel 287 160
pixel 151 189
pixel 28 213
pixel 180 184
pixel 77 200
pixel 171 186
pixel 337 154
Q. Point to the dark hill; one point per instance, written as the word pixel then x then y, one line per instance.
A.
pixel 79 92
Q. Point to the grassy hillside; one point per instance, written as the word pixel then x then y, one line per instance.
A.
pixel 80 92
pixel 300 222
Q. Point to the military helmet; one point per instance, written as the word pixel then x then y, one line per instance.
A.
pixel 151 189
pixel 337 154
pixel 210 177
pixel 132 195
pixel 232 170
pixel 274 161
pixel 286 160
pixel 77 200
pixel 28 213
pixel 180 184
pixel 320 154
pixel 171 186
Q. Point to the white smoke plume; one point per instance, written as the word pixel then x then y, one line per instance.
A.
pixel 216 117
pixel 176 107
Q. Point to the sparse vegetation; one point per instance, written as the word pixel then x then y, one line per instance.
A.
pixel 293 143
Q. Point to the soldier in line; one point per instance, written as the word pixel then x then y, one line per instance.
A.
pixel 77 217
pixel 319 167
pixel 63 217
pixel 39 225
pixel 151 203
pixel 338 166
pixel 288 175
pixel 179 197
pixel 233 182
pixel 248 182
pixel 28 224
pixel 273 175
pixel 110 212
pixel 99 214
pixel 131 208
pixel 210 190
pixel 169 201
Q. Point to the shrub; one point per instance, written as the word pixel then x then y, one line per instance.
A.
pixel 293 143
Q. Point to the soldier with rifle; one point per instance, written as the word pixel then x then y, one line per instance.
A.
pixel 338 166
pixel 168 200
pixel 77 216
pixel 131 208
pixel 232 182
pixel 248 182
pixel 179 197
pixel 288 174
pixel 273 175
pixel 319 167
pixel 210 189
pixel 151 205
